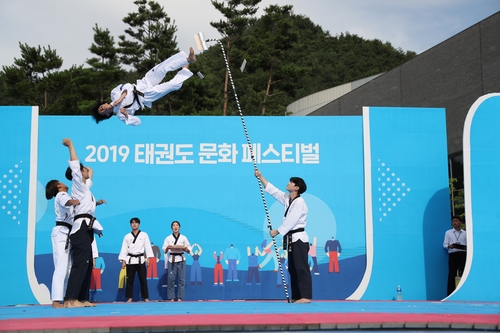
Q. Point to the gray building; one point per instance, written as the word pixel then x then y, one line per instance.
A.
pixel 450 75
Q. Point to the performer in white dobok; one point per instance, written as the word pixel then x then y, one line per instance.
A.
pixel 127 98
pixel 63 206
pixel 82 232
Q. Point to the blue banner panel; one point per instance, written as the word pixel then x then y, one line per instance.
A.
pixel 17 186
pixel 199 171
pixel 408 207
pixel 481 186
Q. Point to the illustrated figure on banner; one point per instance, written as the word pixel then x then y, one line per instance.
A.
pixel 218 271
pixel 233 258
pixel 153 263
pixel 253 266
pixel 195 266
pixel 283 260
pixel 312 253
pixel 333 251
pixel 98 268
pixel 270 255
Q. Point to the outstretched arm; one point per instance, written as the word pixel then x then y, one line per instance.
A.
pixel 72 153
pixel 261 178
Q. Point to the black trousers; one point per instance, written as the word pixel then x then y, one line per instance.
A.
pixel 456 261
pixel 81 267
pixel 300 275
pixel 141 272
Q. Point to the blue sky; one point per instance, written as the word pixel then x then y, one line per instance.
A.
pixel 67 25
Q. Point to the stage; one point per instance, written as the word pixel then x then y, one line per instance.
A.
pixel 240 316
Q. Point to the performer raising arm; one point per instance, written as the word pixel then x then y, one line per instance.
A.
pixel 82 234
pixel 295 239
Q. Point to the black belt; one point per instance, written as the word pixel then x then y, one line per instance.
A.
pixel 287 239
pixel 64 224
pixel 136 93
pixel 174 255
pixel 85 216
pixel 79 216
pixel 76 217
pixel 135 256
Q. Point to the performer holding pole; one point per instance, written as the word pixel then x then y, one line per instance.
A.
pixel 201 42
pixel 295 239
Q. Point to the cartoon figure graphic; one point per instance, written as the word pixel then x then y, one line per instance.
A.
pixel 232 256
pixel 195 266
pixel 97 268
pixel 268 252
pixel 283 259
pixel 333 250
pixel 312 253
pixel 153 263
pixel 253 266
pixel 218 272
pixel 95 279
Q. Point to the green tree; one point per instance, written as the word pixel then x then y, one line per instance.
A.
pixel 32 80
pixel 72 88
pixel 239 15
pixel 152 37
pixel 152 41
pixel 105 67
pixel 457 199
pixel 275 34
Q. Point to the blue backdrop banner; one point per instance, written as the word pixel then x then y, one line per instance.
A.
pixel 199 171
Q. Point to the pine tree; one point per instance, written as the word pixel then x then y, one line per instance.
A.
pixel 105 67
pixel 238 16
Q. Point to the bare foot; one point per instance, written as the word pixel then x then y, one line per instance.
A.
pixel 172 300
pixel 191 57
pixel 57 305
pixel 129 300
pixel 146 300
pixel 303 300
pixel 88 304
pixel 75 304
pixel 179 300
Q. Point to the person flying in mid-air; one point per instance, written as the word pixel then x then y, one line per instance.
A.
pixel 127 98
